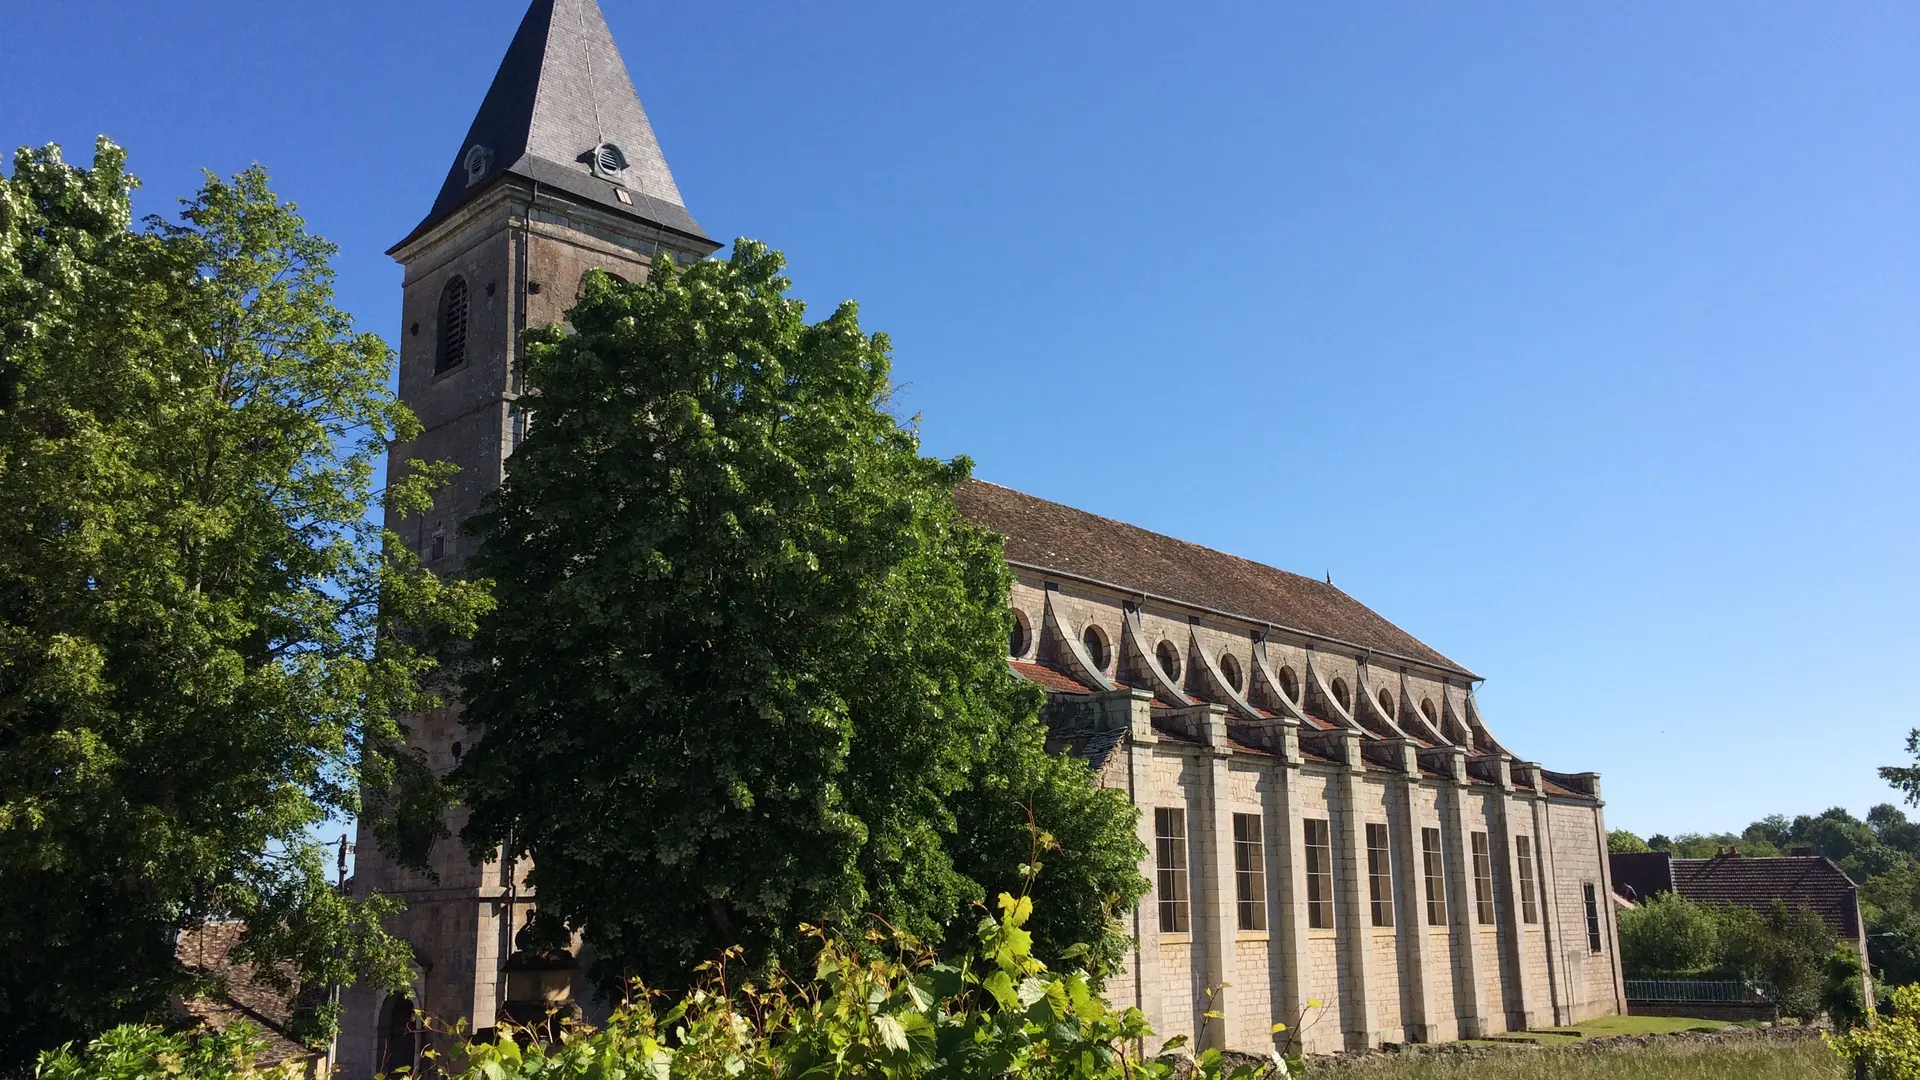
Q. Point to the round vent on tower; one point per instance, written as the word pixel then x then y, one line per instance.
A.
pixel 477 161
pixel 608 161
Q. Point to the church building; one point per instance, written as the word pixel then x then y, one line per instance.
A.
pixel 1327 816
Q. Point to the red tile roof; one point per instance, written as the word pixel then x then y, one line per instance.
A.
pixel 1050 679
pixel 1799 880
pixel 1050 537
pixel 248 996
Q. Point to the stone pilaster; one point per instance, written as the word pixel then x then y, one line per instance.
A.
pixel 1558 992
pixel 1469 993
pixel 1520 1006
pixel 1352 912
pixel 1217 907
pixel 1416 964
pixel 1287 887
pixel 1147 988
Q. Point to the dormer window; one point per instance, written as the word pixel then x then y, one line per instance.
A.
pixel 608 161
pixel 478 160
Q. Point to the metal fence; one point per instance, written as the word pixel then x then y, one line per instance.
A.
pixel 1698 992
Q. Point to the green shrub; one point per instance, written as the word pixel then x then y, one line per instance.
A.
pixel 1886 1047
pixel 882 1008
pixel 876 1007
pixel 145 1052
pixel 1845 997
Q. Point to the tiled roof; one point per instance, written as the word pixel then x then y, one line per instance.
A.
pixel 561 90
pixel 1048 536
pixel 1808 881
pixel 1093 747
pixel 248 997
pixel 1050 679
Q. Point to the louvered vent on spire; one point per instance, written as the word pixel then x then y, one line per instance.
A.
pixel 562 110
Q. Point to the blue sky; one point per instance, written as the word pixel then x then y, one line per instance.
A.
pixel 1581 343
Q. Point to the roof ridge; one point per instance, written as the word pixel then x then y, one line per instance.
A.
pixel 1169 536
pixel 1057 538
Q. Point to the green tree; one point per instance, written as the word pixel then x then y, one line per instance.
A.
pixel 1788 947
pixel 1669 935
pixel 192 645
pixel 1622 842
pixel 1774 830
pixel 749 662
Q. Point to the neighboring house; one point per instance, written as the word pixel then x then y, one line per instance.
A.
pixel 1799 881
pixel 1325 812
pixel 248 998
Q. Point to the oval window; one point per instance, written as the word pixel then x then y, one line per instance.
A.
pixel 1341 694
pixel 1230 670
pixel 1095 640
pixel 1289 684
pixel 1169 656
pixel 1020 636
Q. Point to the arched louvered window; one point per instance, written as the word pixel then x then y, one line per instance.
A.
pixel 454 305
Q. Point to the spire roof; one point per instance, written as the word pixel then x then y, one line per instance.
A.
pixel 561 92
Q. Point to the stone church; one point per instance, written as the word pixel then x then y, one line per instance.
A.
pixel 1327 816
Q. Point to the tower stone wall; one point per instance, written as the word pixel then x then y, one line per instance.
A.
pixel 523 253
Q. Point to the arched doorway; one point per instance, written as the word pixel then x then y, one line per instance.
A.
pixel 397 1036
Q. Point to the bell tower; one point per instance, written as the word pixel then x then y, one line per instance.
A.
pixel 559 174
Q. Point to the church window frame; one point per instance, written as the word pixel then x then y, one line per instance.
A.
pixel 1341 695
pixel 1380 874
pixel 1249 872
pixel 1386 703
pixel 1590 895
pixel 1434 863
pixel 1289 684
pixel 1529 898
pixel 1170 866
pixel 1482 879
pixel 455 318
pixel 1319 843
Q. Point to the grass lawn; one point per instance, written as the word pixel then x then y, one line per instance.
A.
pixel 1614 1025
pixel 1806 1059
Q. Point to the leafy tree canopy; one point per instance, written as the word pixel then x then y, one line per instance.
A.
pixel 190 651
pixel 1620 841
pixel 749 662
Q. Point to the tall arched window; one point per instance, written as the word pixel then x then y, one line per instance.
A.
pixel 451 350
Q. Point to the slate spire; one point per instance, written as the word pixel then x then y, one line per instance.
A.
pixel 561 98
